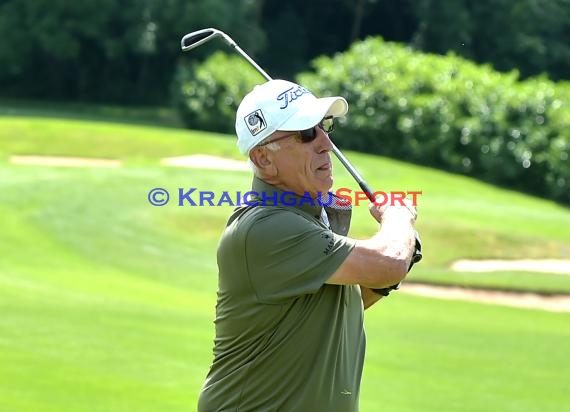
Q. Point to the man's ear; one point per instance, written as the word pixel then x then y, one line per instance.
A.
pixel 261 158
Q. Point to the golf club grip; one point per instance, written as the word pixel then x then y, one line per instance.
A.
pixel 366 189
pixel 195 38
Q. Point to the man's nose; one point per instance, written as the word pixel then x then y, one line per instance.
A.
pixel 323 142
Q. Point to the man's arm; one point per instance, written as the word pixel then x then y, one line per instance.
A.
pixel 384 259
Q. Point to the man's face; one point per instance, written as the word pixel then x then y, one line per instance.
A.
pixel 302 167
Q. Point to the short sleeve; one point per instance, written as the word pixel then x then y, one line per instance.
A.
pixel 288 255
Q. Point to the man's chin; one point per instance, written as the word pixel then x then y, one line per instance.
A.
pixel 325 186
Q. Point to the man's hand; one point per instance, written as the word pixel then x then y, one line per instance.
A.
pixel 409 211
pixel 383 212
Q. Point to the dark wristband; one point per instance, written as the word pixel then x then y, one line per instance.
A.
pixel 386 291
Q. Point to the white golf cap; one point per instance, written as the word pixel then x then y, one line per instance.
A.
pixel 281 105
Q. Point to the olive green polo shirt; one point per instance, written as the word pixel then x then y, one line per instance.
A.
pixel 285 340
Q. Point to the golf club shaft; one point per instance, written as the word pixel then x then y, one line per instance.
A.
pixel 249 59
pixel 354 173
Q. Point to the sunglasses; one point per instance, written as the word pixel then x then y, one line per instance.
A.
pixel 308 135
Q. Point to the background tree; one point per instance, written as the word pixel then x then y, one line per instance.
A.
pixel 298 31
pixel 106 50
pixel 127 51
pixel 532 36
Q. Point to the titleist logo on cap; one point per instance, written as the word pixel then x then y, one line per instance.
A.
pixel 291 94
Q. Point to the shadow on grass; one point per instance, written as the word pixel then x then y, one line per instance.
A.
pixel 156 116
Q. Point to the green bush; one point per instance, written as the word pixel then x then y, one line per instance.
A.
pixel 207 95
pixel 447 112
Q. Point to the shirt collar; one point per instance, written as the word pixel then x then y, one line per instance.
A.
pixel 269 195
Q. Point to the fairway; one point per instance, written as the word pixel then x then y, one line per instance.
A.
pixel 108 302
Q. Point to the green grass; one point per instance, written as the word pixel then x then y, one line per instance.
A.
pixel 455 356
pixel 107 303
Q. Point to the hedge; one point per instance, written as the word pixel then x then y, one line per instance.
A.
pixel 447 112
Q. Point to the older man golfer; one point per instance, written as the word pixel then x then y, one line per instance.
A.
pixel 292 286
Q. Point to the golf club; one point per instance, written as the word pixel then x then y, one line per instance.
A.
pixel 199 37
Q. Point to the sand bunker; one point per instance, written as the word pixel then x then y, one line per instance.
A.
pixel 561 267
pixel 64 161
pixel 199 161
pixel 552 303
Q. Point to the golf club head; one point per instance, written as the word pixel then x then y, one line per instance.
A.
pixel 197 38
